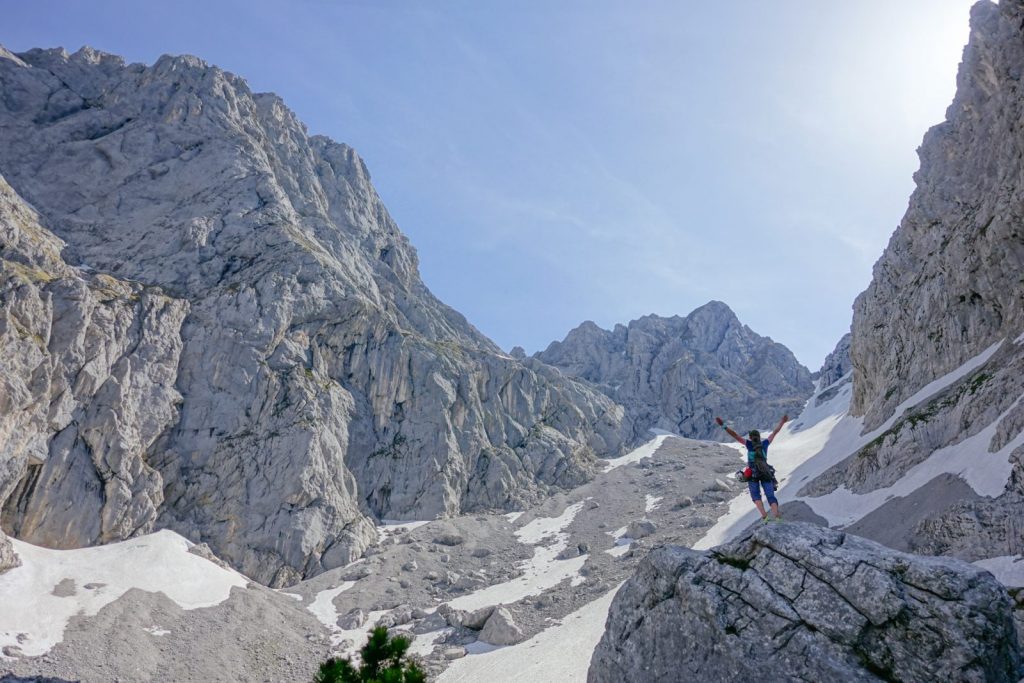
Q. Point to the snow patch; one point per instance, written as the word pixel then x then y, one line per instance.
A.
pixel 513 516
pixel 33 619
pixel 546 527
pixel 1008 569
pixel 986 473
pixel 651 503
pixel 479 647
pixel 323 607
pixel 423 644
pixel 541 572
pixel 156 631
pixel 558 654
pixel 635 456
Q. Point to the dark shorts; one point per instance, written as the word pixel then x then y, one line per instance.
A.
pixel 755 491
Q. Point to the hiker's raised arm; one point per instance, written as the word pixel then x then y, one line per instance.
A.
pixel 784 420
pixel 730 432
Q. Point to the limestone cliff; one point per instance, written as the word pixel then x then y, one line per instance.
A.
pixel 949 284
pixel 947 296
pixel 231 324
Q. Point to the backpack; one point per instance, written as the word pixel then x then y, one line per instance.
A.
pixel 762 471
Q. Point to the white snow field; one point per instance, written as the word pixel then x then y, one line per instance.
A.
pixel 541 572
pixel 54 585
pixel 638 454
pixel 560 654
pixel 1008 569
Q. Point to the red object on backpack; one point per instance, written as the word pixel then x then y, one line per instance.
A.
pixel 748 473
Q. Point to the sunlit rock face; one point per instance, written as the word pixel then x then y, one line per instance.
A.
pixel 678 373
pixel 949 284
pixel 799 602
pixel 947 289
pixel 233 337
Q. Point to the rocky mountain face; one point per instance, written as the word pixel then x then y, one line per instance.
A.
pixel 678 373
pixel 947 289
pixel 87 386
pixel 800 602
pixel 949 283
pixel 837 364
pixel 211 324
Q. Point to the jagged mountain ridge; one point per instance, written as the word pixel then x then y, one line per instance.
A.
pixel 320 381
pixel 678 373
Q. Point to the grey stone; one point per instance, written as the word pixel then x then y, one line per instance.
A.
pixel 837 364
pixel 353 620
pixel 475 619
pixel 8 558
pixel 797 601
pixel 683 503
pixel 449 539
pixel 641 528
pixel 501 629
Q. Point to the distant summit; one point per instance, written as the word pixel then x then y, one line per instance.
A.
pixel 677 373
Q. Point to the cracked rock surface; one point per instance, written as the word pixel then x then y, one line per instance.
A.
pixel 795 601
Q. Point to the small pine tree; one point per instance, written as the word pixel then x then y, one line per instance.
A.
pixel 381 663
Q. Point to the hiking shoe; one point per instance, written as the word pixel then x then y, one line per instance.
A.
pixel 764 519
pixel 774 519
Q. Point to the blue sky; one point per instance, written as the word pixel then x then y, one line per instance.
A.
pixel 555 162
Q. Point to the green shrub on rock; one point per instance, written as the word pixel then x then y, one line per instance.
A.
pixel 382 662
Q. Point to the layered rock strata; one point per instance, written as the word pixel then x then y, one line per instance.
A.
pixel 678 373
pixel 268 369
pixel 837 364
pixel 800 602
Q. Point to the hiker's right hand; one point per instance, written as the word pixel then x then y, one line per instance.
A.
pixel 719 421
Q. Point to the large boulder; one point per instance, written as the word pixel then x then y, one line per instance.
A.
pixel 802 602
pixel 8 558
pixel 501 629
